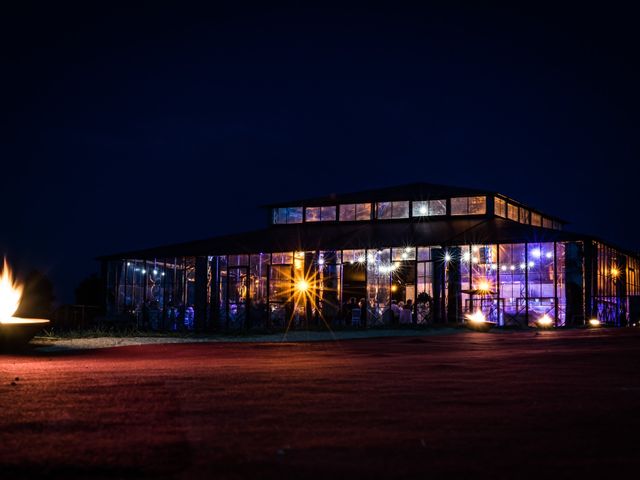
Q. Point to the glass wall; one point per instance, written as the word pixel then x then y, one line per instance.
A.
pixel 426 208
pixel 355 212
pixel 152 294
pixel 425 296
pixel 469 206
pixel 287 215
pixel 320 214
pixel 379 272
pixel 390 210
pixel 536 219
pixel 500 207
pixel 609 306
pixel 474 205
pixel 510 284
pixel 541 284
pixel 478 277
pixel 258 290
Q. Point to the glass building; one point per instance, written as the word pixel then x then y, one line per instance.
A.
pixel 434 252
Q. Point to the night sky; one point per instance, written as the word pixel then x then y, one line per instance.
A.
pixel 128 127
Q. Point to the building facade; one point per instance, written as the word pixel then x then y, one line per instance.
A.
pixel 440 252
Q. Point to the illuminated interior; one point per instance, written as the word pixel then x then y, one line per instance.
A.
pixel 442 256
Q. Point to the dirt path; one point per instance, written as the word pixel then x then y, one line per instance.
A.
pixel 558 404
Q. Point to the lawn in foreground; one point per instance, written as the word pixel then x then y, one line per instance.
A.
pixel 499 405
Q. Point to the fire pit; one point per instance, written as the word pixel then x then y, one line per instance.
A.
pixel 15 332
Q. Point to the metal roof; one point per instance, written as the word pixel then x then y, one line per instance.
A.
pixel 358 235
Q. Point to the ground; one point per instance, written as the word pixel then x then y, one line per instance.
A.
pixel 499 405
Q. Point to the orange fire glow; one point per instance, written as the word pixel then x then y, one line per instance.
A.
pixel 10 294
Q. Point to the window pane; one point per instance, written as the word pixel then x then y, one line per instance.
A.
pixel 403 253
pixel 512 212
pixel 459 206
pixel 536 219
pixel 353 256
pixel 312 214
pixel 437 207
pixel 424 253
pixel 363 211
pixel 328 214
pixel 294 215
pixel 525 215
pixel 423 208
pixel 500 208
pixel 238 260
pixel 282 258
pixel 347 213
pixel 546 223
pixel 512 284
pixel 280 284
pixel 400 209
pixel 279 215
pixel 384 210
pixel 477 205
pixel 420 209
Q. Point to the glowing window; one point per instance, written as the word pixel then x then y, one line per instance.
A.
pixel 500 207
pixel 282 258
pixel 468 206
pixel 425 208
pixel 424 253
pixel 536 219
pixel 390 210
pixel 403 253
pixel 287 215
pixel 320 214
pixel 355 211
pixel 354 256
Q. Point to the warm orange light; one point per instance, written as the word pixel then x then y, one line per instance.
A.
pixel 10 294
pixel 594 322
pixel 302 285
pixel 394 288
pixel 484 286
pixel 545 321
pixel 615 273
pixel 477 317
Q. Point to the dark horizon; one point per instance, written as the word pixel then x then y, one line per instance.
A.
pixel 132 127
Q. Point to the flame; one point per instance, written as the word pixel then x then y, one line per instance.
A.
pixel 10 294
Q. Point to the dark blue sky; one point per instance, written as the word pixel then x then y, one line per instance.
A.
pixel 126 127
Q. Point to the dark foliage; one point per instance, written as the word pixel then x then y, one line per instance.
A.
pixel 37 297
pixel 90 291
